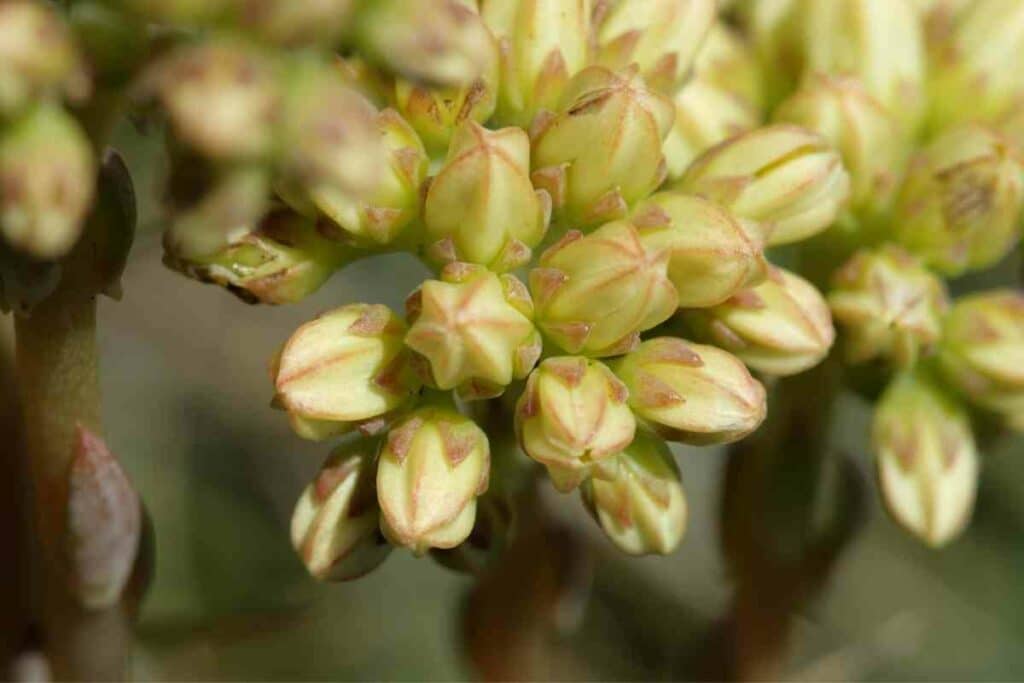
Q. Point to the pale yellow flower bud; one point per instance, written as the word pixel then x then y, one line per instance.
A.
pixel 572 415
pixel 690 392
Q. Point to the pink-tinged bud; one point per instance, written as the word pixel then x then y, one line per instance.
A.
pixel 434 464
pixel 335 528
pixel 640 504
pixel 573 415
pixel 595 294
pixel 472 331
pixel 690 392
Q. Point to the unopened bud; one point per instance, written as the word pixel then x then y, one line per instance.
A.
pixel 481 207
pixel 287 22
pixel 347 367
pixel 727 62
pixel 595 294
pixel 712 254
pixel 335 528
pixel 926 458
pixel 601 152
pixel 573 415
pixel 888 305
pixel 640 504
pixel 785 177
pixel 47 181
pixel 690 392
pixel 959 205
pixel 432 467
pixel 473 331
pixel 982 352
pixel 780 327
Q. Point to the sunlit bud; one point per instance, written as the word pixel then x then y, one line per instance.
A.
pixel 282 261
pixel 641 505
pixel 347 366
pixel 712 254
pixel 661 36
pixel 335 527
pixel 543 43
pixel 982 352
pixel 601 153
pixel 472 331
pixel 47 178
pixel 573 415
pixel 595 294
pixel 779 327
pixel 975 50
pixel 437 42
pixel 434 464
pixel 222 98
pixel 926 458
pixel 378 217
pixel 789 179
pixel 37 56
pixel 481 207
pixel 690 392
pixel 870 141
pixel 888 306
pixel 879 42
pixel 959 205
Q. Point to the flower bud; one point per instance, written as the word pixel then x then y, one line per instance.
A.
pixel 572 415
pixel 642 505
pixel 481 207
pixel 472 329
pixel 336 524
pixel 982 352
pixel 974 49
pixel 712 254
pixel 543 43
pixel 601 153
pixel 959 205
pixel 343 368
pixel 661 36
pixel 780 327
pixel 727 63
pixel 47 178
pixel 432 467
pixel 287 22
pixel 595 294
pixel 787 178
pixel 926 458
pixel 282 261
pixel 38 58
pixel 222 98
pixel 690 392
pixel 888 305
pixel 437 42
pixel 868 138
pixel 378 218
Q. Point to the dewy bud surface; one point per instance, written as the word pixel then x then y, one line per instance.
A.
pixel 572 415
pixel 785 177
pixel 959 206
pixel 347 366
pixel 601 152
pixel 481 207
pixel 779 327
pixel 432 467
pixel 982 352
pixel 888 305
pixel 641 505
pixel 690 392
pixel 473 330
pixel 335 527
pixel 926 458
pixel 712 254
pixel 594 294
pixel 661 36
